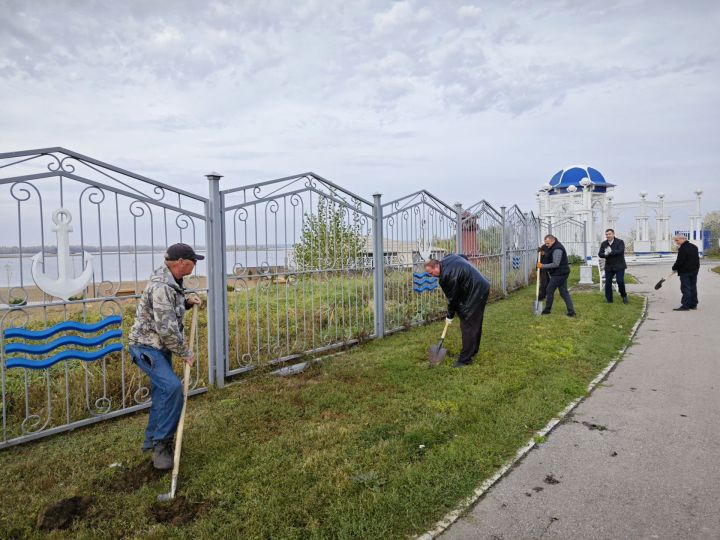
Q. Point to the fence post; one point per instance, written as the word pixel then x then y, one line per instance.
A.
pixel 526 248
pixel 458 229
pixel 585 243
pixel 379 270
pixel 217 310
pixel 503 257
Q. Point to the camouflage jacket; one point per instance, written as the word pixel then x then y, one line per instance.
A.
pixel 159 315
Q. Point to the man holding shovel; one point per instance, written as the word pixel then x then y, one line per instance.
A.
pixel 155 336
pixel 558 271
pixel 467 292
pixel 687 266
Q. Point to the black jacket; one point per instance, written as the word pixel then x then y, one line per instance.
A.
pixel 616 260
pixel 563 268
pixel 464 287
pixel 688 260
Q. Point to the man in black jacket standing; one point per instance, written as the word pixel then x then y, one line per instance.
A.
pixel 613 251
pixel 687 266
pixel 467 292
pixel 558 270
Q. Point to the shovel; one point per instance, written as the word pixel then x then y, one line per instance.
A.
pixel 181 424
pixel 538 307
pixel 659 283
pixel 437 353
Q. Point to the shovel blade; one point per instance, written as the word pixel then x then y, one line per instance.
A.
pixel 659 284
pixel 437 355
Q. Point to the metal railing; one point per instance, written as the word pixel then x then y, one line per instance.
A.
pixel 294 266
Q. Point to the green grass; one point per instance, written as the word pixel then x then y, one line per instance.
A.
pixel 716 269
pixel 369 444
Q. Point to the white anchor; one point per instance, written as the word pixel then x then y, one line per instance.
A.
pixel 64 286
pixel 424 248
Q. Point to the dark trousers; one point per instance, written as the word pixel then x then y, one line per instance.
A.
pixel 471 329
pixel 619 276
pixel 560 283
pixel 688 287
pixel 544 278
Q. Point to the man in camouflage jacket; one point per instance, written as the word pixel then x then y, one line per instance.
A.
pixel 155 336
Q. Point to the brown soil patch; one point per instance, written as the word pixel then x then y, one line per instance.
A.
pixel 60 515
pixel 178 512
pixel 127 480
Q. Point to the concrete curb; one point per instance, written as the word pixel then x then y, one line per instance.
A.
pixel 450 518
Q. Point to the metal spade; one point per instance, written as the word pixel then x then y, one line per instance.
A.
pixel 660 283
pixel 437 352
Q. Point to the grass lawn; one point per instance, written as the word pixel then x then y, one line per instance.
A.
pixel 716 269
pixel 369 444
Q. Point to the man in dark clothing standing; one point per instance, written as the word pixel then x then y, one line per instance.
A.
pixel 687 266
pixel 613 251
pixel 467 292
pixel 558 270
pixel 545 258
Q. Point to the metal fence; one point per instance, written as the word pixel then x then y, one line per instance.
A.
pixel 573 235
pixel 66 215
pixel 294 266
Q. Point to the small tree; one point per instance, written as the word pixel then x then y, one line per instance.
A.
pixel 329 240
pixel 711 222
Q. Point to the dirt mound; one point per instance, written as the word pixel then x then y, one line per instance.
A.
pixel 178 512
pixel 61 514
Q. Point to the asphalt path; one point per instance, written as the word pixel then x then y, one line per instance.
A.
pixel 640 457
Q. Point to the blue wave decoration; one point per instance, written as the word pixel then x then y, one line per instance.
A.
pixel 62 327
pixel 65 355
pixel 23 348
pixel 422 275
pixel 425 288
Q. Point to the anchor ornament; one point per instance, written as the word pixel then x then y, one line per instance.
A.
pixel 65 285
pixel 424 245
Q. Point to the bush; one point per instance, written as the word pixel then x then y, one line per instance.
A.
pixel 575 259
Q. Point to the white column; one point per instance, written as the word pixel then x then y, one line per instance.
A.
pixel 662 240
pixel 696 223
pixel 643 244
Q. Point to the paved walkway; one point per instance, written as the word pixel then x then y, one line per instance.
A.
pixel 652 469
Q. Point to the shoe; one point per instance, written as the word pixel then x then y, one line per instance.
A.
pixel 625 300
pixel 681 308
pixel 545 312
pixel 694 307
pixel 162 456
pixel 147 446
pixel 573 314
pixel 458 364
pixel 608 301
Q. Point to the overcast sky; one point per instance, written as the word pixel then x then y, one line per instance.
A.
pixel 469 100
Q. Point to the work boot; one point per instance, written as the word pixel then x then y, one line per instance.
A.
pixel 458 364
pixel 545 312
pixel 625 299
pixel 163 455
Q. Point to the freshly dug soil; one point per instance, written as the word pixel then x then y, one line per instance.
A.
pixel 127 480
pixel 177 512
pixel 61 514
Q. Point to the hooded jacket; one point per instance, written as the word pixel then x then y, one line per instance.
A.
pixel 464 287
pixel 159 316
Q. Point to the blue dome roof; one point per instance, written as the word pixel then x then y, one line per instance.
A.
pixel 574 174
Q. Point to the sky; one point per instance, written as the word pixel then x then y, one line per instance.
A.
pixel 469 100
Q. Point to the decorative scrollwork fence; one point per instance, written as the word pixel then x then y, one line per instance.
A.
pixel 295 266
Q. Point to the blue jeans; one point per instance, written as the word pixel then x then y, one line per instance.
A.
pixel 166 393
pixel 619 276
pixel 688 288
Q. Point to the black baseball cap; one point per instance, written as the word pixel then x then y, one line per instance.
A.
pixel 182 251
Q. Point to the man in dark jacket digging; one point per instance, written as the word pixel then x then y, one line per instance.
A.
pixel 613 251
pixel 558 270
pixel 467 292
pixel 687 266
